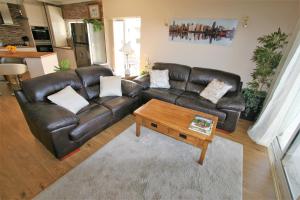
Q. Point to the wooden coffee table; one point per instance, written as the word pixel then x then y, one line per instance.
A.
pixel 174 121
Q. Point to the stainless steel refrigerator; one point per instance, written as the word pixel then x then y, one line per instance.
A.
pixel 89 45
pixel 81 44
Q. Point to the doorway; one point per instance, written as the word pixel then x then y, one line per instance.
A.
pixel 126 36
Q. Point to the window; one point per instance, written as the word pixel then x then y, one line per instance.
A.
pixel 291 165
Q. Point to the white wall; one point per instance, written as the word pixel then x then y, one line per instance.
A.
pixel 265 16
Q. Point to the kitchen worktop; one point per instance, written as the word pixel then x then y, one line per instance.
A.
pixel 66 47
pixel 25 54
pixel 38 63
pixel 19 47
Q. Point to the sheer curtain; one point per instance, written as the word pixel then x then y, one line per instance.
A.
pixel 282 106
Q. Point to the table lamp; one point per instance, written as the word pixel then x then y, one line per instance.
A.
pixel 127 50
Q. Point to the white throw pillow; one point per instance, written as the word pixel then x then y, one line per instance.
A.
pixel 69 99
pixel 159 79
pixel 110 86
pixel 215 90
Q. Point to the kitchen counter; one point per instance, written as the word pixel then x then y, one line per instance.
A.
pixel 19 47
pixel 66 47
pixel 66 53
pixel 38 63
pixel 25 54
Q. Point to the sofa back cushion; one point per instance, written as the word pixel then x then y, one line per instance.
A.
pixel 90 77
pixel 37 89
pixel 178 74
pixel 201 77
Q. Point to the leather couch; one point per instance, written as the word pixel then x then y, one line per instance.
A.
pixel 186 85
pixel 60 130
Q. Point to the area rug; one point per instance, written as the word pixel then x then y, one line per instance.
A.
pixel 154 167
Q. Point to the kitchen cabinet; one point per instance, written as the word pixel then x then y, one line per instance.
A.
pixel 57 26
pixel 38 63
pixel 36 14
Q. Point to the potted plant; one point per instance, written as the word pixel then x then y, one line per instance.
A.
pixel 146 68
pixel 267 57
pixel 97 24
pixel 64 65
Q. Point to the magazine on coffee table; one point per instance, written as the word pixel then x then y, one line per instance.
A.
pixel 201 125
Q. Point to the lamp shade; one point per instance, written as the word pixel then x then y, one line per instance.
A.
pixel 127 49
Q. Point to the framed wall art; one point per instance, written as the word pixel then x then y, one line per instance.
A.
pixel 94 11
pixel 203 31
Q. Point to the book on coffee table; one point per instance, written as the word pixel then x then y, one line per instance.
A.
pixel 201 125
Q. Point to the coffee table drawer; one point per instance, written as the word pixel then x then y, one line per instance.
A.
pixel 155 126
pixel 183 137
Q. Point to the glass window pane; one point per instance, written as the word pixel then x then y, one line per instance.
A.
pixel 291 165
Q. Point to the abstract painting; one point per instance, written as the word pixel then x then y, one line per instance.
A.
pixel 203 31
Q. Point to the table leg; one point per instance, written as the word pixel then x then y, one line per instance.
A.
pixel 138 122
pixel 203 152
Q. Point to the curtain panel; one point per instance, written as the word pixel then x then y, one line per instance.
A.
pixel 282 108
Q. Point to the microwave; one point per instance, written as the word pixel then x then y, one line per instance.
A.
pixel 44 48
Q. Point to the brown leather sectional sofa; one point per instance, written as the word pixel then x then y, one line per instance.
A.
pixel 186 85
pixel 58 129
pixel 61 131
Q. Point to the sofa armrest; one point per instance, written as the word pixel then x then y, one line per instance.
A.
pixel 143 80
pixel 130 88
pixel 50 116
pixel 236 103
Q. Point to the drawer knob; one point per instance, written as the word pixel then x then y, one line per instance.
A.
pixel 154 125
pixel 182 135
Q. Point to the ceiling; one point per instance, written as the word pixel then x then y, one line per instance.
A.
pixel 78 1
pixel 61 2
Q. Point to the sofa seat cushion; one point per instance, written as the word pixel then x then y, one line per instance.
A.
pixel 120 106
pixel 194 101
pixel 101 100
pixel 168 95
pixel 92 119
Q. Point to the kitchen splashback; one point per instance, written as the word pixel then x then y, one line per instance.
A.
pixel 13 34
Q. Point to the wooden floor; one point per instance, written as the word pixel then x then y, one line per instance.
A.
pixel 26 167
